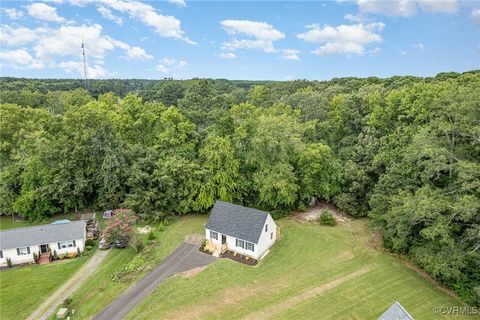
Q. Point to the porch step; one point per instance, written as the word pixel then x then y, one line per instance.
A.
pixel 44 258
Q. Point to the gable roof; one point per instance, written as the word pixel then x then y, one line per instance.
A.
pixel 43 234
pixel 237 221
pixel 396 312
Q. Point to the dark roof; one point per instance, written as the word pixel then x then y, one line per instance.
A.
pixel 43 234
pixel 237 221
pixel 396 312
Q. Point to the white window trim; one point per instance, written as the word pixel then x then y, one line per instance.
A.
pixel 247 244
pixel 66 244
pixel 213 235
pixel 266 227
pixel 240 241
pixel 23 251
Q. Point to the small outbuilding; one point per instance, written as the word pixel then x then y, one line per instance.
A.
pixel 396 312
pixel 246 231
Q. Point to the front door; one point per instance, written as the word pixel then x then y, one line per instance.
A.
pixel 224 239
pixel 43 248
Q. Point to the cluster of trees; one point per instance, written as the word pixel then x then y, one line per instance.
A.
pixel 404 151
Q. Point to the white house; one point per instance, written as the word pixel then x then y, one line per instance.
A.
pixel 247 231
pixel 19 244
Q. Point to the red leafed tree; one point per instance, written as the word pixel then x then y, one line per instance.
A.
pixel 121 226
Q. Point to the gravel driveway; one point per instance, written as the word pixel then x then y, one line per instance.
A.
pixel 48 307
pixel 184 257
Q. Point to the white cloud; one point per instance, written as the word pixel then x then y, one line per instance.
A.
pixel 403 53
pixel 13 13
pixel 406 8
pixel 164 25
pixel 16 36
pixel 45 12
pixel 107 14
pixel 260 35
pixel 167 64
pixel 227 55
pixel 178 3
pixel 51 44
pixel 402 8
pixel 290 54
pixel 476 16
pixel 444 6
pixel 20 58
pixel 419 46
pixel 343 39
pixel 136 53
pixel 97 71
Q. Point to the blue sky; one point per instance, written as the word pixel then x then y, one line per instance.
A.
pixel 277 40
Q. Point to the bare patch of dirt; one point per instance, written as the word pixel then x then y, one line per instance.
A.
pixel 144 230
pixel 196 239
pixel 306 295
pixel 191 273
pixel 312 214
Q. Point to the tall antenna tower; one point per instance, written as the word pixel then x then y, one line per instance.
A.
pixel 85 66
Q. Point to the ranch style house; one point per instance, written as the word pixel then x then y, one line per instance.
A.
pixel 19 244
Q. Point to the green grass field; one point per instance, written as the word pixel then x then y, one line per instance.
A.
pixel 98 291
pixel 313 272
pixel 8 223
pixel 22 290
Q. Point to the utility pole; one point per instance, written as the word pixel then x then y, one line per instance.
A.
pixel 85 66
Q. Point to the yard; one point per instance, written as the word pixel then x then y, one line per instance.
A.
pixel 6 222
pixel 330 271
pixel 22 290
pixel 312 272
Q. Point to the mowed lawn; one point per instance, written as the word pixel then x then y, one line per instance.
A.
pixel 6 222
pixel 22 290
pixel 313 272
pixel 99 290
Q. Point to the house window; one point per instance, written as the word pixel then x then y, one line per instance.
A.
pixel 213 235
pixel 66 244
pixel 266 227
pixel 240 243
pixel 271 236
pixel 23 251
pixel 250 246
pixel 1 254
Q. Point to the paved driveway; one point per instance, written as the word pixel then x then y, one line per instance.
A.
pixel 185 257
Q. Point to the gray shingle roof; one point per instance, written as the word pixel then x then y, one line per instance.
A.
pixel 396 312
pixel 43 234
pixel 237 221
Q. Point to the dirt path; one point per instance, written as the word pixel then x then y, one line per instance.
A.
pixel 275 309
pixel 185 257
pixel 48 307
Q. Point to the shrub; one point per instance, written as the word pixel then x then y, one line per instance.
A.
pixel 78 252
pixel 90 242
pixel 88 248
pixel 204 243
pixel 136 243
pixel 326 218
pixel 9 262
pixel 55 256
pixel 35 257
pixel 151 236
pixel 67 303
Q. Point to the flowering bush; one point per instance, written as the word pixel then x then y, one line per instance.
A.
pixel 121 226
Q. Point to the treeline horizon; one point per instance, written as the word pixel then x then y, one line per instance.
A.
pixel 404 151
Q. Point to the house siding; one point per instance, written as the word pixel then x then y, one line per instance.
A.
pixel 28 258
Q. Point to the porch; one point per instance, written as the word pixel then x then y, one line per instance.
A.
pixel 215 249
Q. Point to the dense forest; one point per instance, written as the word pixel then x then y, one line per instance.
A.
pixel 404 151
